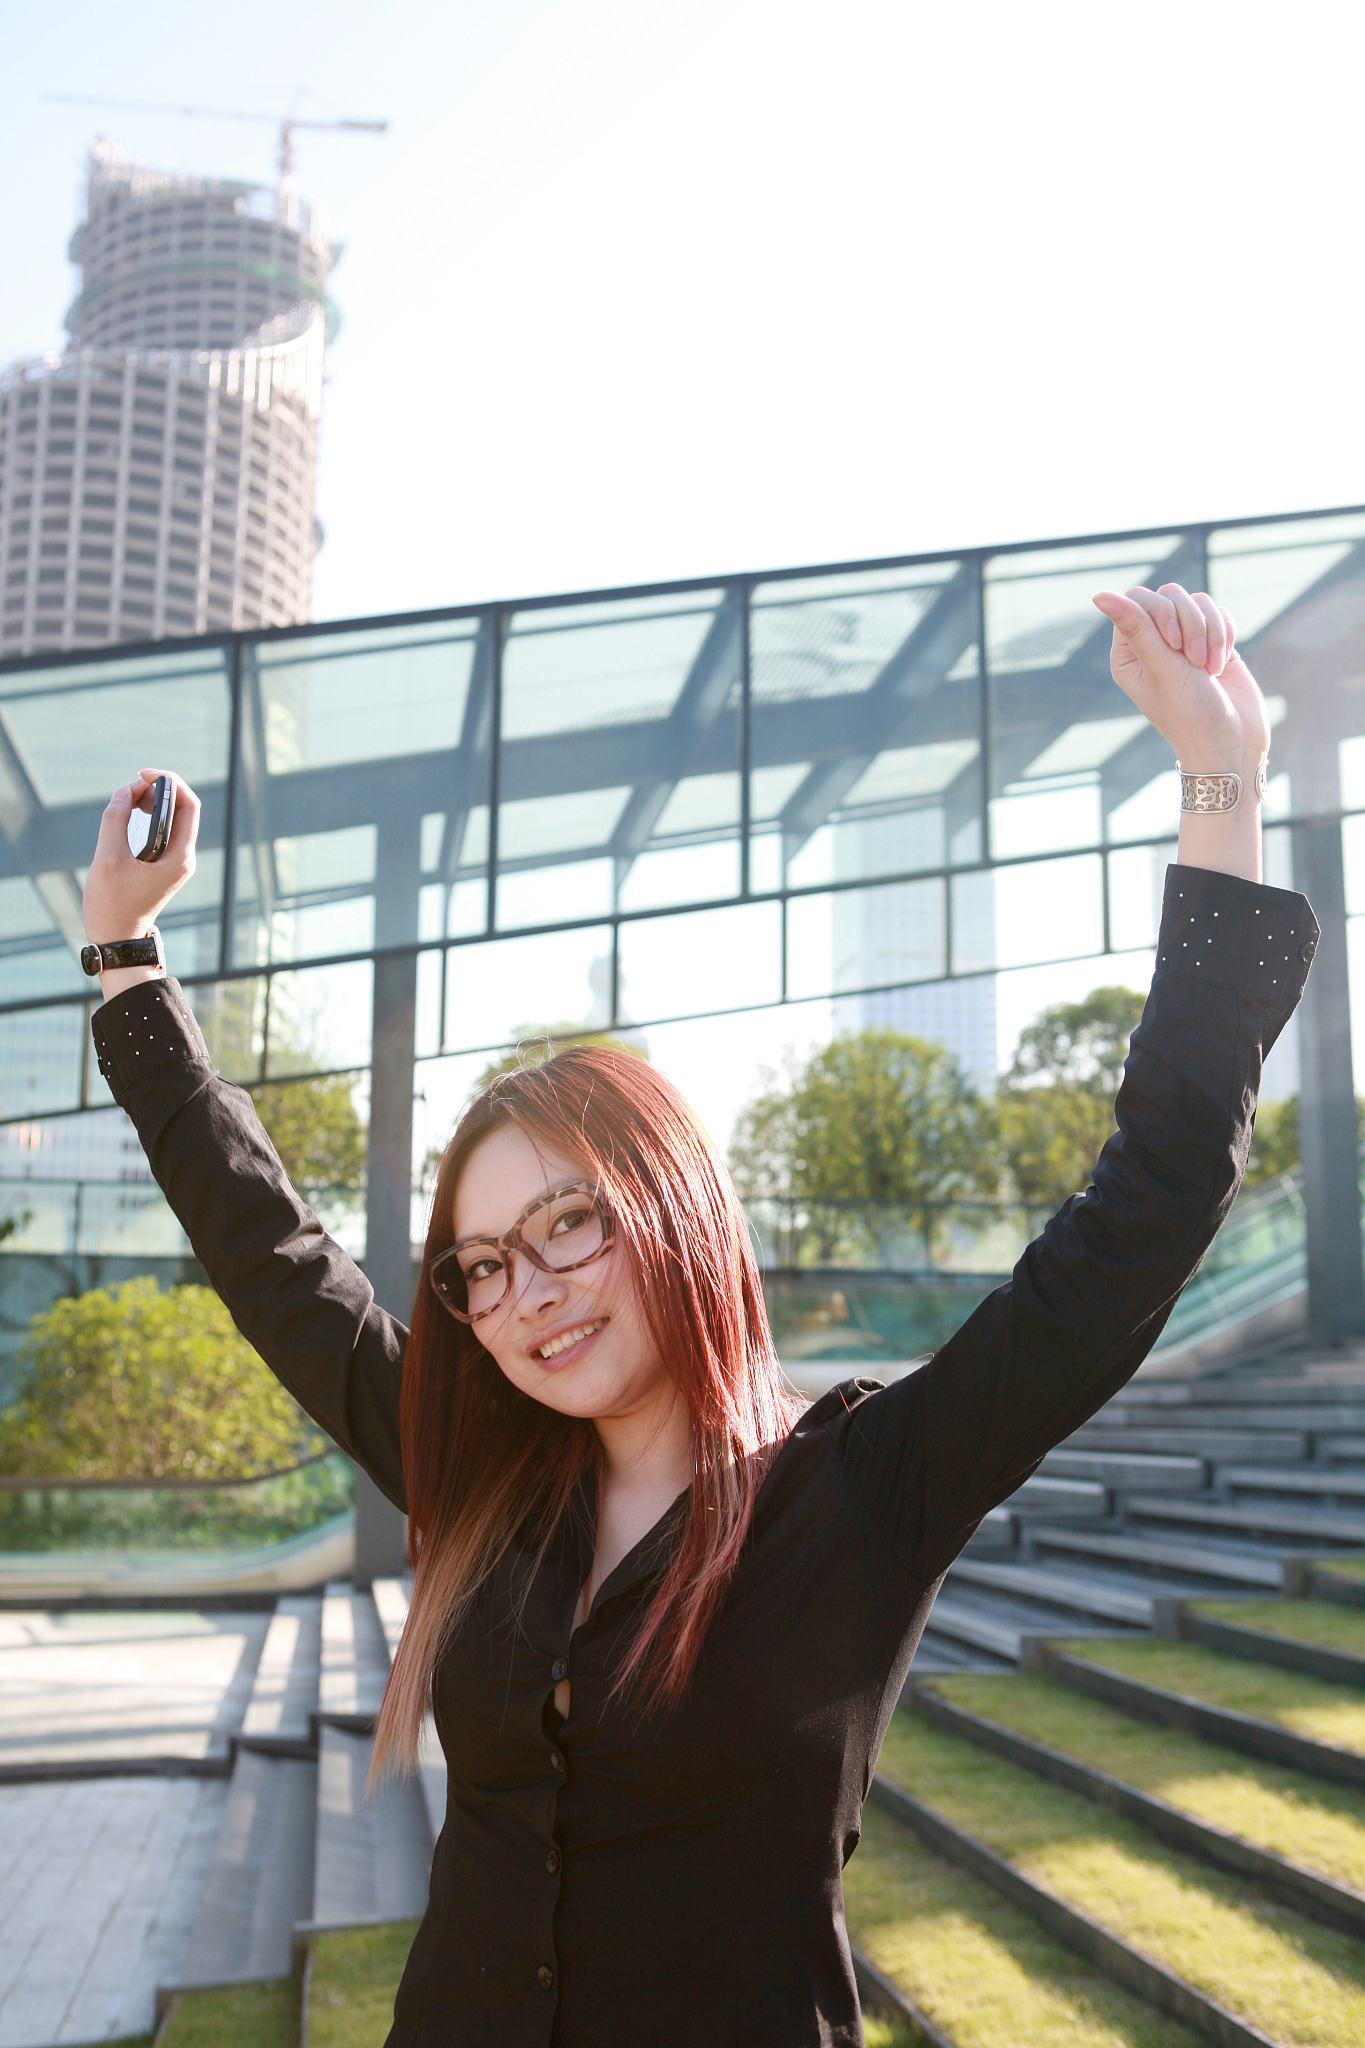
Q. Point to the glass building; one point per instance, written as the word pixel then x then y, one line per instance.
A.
pixel 726 816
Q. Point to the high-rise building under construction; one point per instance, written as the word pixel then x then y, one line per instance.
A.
pixel 158 475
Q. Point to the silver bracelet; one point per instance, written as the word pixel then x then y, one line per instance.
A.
pixel 1212 793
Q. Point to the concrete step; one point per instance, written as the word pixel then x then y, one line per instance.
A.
pixel 373 1857
pixel 995 1532
pixel 1124 1470
pixel 977 1628
pixel 1312 1480
pixel 284 1695
pixel 391 1605
pixel 1267 1518
pixel 1245 1389
pixel 1314 1418
pixel 1075 1591
pixel 355 1657
pixel 1272 1445
pixel 1164 1554
pixel 260 1880
pixel 1045 1493
pixel 1342 1450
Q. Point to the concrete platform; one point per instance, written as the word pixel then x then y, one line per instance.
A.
pixel 373 1856
pixel 124 1685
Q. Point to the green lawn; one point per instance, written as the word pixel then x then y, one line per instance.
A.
pixel 1310 1706
pixel 1320 1826
pixel 974 1964
pixel 1305 1621
pixel 353 1984
pixel 1302 1984
pixel 1349 1567
pixel 245 2016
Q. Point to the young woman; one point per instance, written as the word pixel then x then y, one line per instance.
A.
pixel 662 1613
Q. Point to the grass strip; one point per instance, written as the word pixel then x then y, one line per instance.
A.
pixel 1308 1706
pixel 1303 1621
pixel 1317 1825
pixel 1302 1984
pixel 354 1982
pixel 975 1965
pixel 1348 1567
pixel 235 2016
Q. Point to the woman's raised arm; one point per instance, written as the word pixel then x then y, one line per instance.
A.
pixel 1091 1295
pixel 291 1290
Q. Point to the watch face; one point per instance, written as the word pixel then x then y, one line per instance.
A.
pixel 90 959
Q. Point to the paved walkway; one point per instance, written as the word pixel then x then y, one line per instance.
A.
pixel 100 1878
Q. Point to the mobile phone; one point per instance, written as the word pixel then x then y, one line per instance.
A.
pixel 162 818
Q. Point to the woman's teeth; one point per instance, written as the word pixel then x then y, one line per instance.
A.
pixel 558 1344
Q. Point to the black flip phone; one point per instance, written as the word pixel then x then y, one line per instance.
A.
pixel 163 816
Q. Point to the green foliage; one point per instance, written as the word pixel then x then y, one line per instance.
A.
pixel 127 1382
pixel 1274 1142
pixel 313 1124
pixel 1056 1104
pixel 881 1118
pixel 316 1129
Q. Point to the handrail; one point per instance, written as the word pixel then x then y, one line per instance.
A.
pixel 16 1483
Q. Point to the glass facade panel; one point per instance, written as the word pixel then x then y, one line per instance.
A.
pixel 920 775
pixel 865 725
pixel 68 735
pixel 503 991
pixel 1297 593
pixel 866 938
pixel 619 745
pixel 363 761
pixel 42 1055
pixel 1066 747
pixel 703 960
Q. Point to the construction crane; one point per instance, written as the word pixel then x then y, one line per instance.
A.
pixel 286 123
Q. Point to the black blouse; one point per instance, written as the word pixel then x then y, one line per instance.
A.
pixel 667 1882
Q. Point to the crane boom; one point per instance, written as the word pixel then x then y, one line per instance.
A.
pixel 286 123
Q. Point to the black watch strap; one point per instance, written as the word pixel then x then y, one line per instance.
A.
pixel 148 952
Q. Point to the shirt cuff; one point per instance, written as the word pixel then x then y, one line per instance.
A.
pixel 143 1033
pixel 1220 931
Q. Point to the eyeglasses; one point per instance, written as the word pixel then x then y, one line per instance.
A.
pixel 558 1232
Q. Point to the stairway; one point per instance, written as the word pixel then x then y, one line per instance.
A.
pixel 1137 1839
pixel 1221 1483
pixel 304 1847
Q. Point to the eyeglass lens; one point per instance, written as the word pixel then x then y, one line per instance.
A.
pixel 564 1231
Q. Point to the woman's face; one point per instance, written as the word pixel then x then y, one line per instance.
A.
pixel 610 1368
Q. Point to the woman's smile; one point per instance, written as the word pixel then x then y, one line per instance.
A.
pixel 567 1344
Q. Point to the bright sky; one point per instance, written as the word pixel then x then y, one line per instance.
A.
pixel 637 290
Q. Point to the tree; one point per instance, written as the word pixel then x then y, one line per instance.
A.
pixel 313 1124
pixel 1274 1142
pixel 1056 1105
pixel 880 1122
pixel 128 1382
pixel 316 1129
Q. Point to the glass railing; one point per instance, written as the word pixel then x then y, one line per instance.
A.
pixel 863 1311
pixel 195 1516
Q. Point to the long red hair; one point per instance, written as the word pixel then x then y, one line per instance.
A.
pixel 480 1458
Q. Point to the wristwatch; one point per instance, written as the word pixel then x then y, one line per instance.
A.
pixel 148 952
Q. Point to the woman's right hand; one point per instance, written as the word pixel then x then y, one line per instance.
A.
pixel 124 896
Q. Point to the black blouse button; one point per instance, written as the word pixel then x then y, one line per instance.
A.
pixel 545 1977
pixel 557 1762
pixel 552 1861
pixel 1306 953
pixel 559 1669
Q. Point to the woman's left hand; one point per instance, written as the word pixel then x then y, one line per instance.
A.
pixel 1175 656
